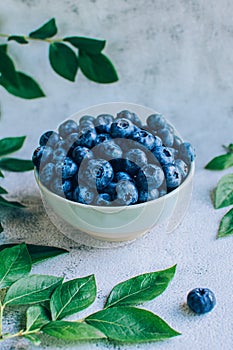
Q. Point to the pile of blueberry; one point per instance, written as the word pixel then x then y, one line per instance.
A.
pixel 107 160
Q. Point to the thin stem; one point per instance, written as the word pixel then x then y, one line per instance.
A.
pixel 19 334
pixel 1 314
pixel 2 35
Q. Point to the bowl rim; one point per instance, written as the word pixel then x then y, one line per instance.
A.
pixel 129 207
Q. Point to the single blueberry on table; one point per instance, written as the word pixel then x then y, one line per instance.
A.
pixel 186 152
pixel 102 138
pixel 80 153
pixel 47 173
pixel 103 199
pixel 69 168
pixel 135 159
pixel 103 123
pixel 42 155
pixel 127 193
pixel 164 155
pixel 97 173
pixel 121 128
pixel 150 176
pixel 156 121
pixel 68 127
pixel 109 150
pixel 49 138
pixel 146 139
pixel 130 116
pixel 183 167
pixel 166 136
pixel 172 175
pixel 201 300
pixel 83 194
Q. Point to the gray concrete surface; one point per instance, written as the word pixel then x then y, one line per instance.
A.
pixel 174 56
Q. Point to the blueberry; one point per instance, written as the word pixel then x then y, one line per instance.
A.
pixel 177 142
pixel 126 193
pixel 86 118
pixel 121 128
pixel 172 175
pixel 68 127
pixel 97 173
pixel 145 195
pixel 49 138
pixel 150 176
pixel 118 164
pixel 121 175
pixel 61 188
pixel 102 138
pixel 146 139
pixel 201 300
pixel 69 168
pixel 86 124
pixel 103 123
pixel 86 137
pixel 111 190
pixel 61 144
pixel 130 116
pixel 162 192
pixel 103 199
pixel 165 155
pixel 135 159
pixel 59 154
pixel 80 153
pixel 166 136
pixel 156 121
pixel 109 150
pixel 183 167
pixel 83 194
pixel 47 173
pixel 42 155
pixel 186 152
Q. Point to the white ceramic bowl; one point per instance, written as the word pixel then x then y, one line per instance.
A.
pixel 123 222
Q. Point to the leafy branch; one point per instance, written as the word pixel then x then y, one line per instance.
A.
pixel 9 145
pixel 223 194
pixel 66 56
pixel 50 300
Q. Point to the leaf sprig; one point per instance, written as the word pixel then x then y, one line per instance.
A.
pixel 66 56
pixel 9 145
pixel 50 301
pixel 223 194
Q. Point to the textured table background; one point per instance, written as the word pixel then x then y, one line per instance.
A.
pixel 175 56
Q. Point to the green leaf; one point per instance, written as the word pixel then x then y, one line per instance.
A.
pixel 1 174
pixel 1 228
pixel 39 252
pixel 72 331
pixel 34 339
pixel 97 67
pixel 31 290
pixel 131 325
pixel 16 165
pixel 27 88
pixel 63 60
pixel 73 296
pixel 221 162
pixel 90 45
pixel 3 48
pixel 226 225
pixel 18 38
pixel 224 192
pixel 3 191
pixel 141 288
pixel 7 69
pixel 15 263
pixel 47 30
pixel 11 144
pixel 10 204
pixel 37 317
